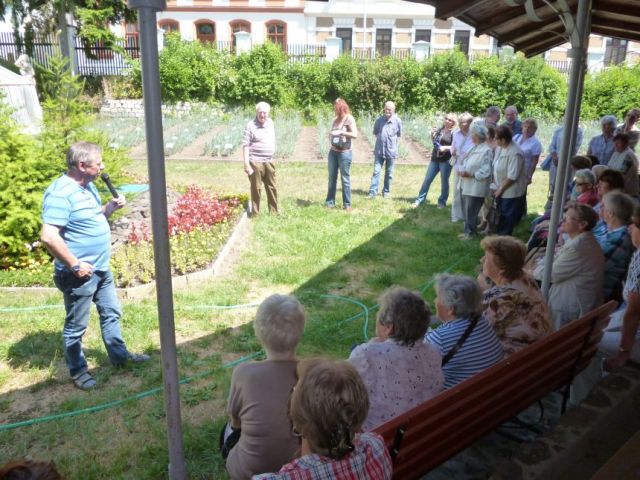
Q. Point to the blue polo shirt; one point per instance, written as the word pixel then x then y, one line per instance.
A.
pixel 77 211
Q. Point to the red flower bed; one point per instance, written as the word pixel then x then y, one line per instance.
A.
pixel 196 209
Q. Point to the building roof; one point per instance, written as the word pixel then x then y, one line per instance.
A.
pixel 515 25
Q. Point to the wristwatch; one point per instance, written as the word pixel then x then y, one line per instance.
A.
pixel 76 267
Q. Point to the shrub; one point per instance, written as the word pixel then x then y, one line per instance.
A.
pixel 311 85
pixel 259 76
pixel 612 91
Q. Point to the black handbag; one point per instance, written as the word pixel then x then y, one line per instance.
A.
pixel 230 442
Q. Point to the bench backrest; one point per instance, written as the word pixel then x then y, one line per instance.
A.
pixel 443 426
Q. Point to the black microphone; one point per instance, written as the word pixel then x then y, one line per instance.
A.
pixel 105 178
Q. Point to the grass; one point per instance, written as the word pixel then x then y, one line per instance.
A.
pixel 307 250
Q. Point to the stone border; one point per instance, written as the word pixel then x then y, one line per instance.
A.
pixel 179 282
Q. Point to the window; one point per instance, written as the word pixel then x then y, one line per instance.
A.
pixel 423 36
pixel 238 26
pixel 132 40
pixel 169 26
pixel 383 41
pixel 206 31
pixel 615 52
pixel 346 35
pixel 461 38
pixel 277 33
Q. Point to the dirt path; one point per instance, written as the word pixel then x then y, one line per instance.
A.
pixel 306 149
pixel 196 149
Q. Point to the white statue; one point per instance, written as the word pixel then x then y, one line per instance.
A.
pixel 25 66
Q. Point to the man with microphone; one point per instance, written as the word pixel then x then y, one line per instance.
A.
pixel 76 232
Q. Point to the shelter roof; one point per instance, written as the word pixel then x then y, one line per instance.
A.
pixel 512 25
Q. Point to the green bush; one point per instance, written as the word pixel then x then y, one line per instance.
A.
pixel 259 75
pixel 310 83
pixel 613 91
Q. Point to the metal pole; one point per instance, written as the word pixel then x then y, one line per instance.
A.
pixel 578 53
pixel 157 182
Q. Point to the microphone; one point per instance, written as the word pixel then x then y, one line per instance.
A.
pixel 105 178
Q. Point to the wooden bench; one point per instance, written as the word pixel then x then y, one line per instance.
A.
pixel 427 435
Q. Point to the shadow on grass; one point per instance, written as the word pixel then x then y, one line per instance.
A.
pixel 409 251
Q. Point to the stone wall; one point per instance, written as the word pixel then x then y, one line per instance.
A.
pixel 135 108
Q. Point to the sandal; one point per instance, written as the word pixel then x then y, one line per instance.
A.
pixel 84 381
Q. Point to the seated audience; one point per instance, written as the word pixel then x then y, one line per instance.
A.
pixel 459 307
pixel 621 340
pixel 260 392
pixel 328 407
pixel 578 267
pixel 585 186
pixel 28 469
pixel 398 367
pixel 616 212
pixel 625 161
pixel 608 181
pixel 514 305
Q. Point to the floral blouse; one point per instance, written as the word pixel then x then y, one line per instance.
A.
pixel 397 377
pixel 518 313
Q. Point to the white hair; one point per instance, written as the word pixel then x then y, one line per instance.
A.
pixel 279 323
pixel 608 119
pixel 480 130
pixel 390 104
pixel 263 107
pixel 460 292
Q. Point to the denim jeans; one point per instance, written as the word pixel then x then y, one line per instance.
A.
pixel 339 161
pixel 78 295
pixel 444 168
pixel 378 161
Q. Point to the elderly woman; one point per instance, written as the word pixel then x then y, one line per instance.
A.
pixel 510 177
pixel 602 145
pixel 514 305
pixel 584 182
pixel 266 441
pixel 625 161
pixel 460 147
pixel 616 212
pixel 475 176
pixel 578 268
pixel 398 367
pixel 630 127
pixel 328 406
pixel 621 340
pixel 440 162
pixel 465 339
pixel 343 130
pixel 530 146
pixel 608 181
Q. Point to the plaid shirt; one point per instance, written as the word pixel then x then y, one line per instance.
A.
pixel 369 461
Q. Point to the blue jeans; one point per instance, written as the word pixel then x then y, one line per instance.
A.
pixel 444 168
pixel 378 161
pixel 339 161
pixel 78 295
pixel 470 209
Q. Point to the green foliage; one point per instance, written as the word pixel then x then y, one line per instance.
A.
pixel 259 76
pixel 613 91
pixel 311 83
pixel 188 70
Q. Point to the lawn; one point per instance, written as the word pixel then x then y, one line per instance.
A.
pixel 332 261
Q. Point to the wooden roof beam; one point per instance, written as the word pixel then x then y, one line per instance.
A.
pixel 540 47
pixel 615 24
pixel 454 8
pixel 609 32
pixel 630 9
pixel 513 36
pixel 513 14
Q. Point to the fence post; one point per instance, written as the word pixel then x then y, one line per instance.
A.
pixel 243 42
pixel 421 50
pixel 70 32
pixel 333 45
pixel 159 38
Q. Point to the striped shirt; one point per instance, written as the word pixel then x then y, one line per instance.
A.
pixel 481 349
pixel 369 461
pixel 78 212
pixel 261 140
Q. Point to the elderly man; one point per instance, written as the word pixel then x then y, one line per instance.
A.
pixel 491 117
pixel 625 161
pixel 258 147
pixel 601 146
pixel 387 130
pixel 76 232
pixel 512 122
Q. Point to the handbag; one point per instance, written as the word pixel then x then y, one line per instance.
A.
pixel 340 141
pixel 461 340
pixel 226 444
